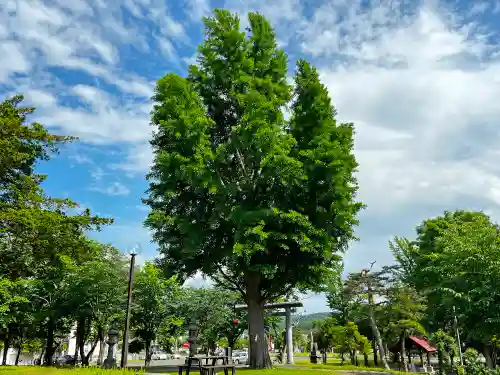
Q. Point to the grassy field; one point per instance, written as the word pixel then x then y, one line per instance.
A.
pixel 335 365
pixel 303 366
pixel 27 370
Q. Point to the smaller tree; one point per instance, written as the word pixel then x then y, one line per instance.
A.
pixel 327 333
pixel 473 364
pixel 354 342
pixel 445 346
pixel 155 305
pixel 92 296
pixel 212 310
pixel 405 310
pixel 355 300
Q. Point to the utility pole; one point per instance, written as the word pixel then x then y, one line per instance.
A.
pixel 458 337
pixel 123 363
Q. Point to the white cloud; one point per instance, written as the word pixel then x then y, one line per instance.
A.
pixel 115 189
pixel 138 161
pixel 167 48
pixel 199 281
pixel 284 15
pixel 15 63
pixel 101 118
pixel 196 9
pixel 81 159
pixel 41 98
pixel 419 80
pixel 142 208
pixel 412 118
pixel 97 173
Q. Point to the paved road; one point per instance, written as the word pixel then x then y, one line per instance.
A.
pixel 168 366
pixel 159 363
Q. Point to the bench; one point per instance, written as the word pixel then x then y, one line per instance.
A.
pixel 184 367
pixel 210 369
pixel 196 363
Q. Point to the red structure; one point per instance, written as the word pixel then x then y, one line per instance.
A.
pixel 422 343
pixel 414 345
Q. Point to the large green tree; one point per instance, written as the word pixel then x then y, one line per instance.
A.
pixel 454 261
pixel 41 239
pixel 260 204
pixel 22 145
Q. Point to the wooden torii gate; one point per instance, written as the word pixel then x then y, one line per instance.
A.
pixel 287 313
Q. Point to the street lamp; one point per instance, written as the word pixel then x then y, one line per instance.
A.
pixel 133 252
pixel 110 360
pixel 193 338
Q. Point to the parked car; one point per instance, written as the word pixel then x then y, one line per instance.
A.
pixel 176 356
pixel 240 358
pixel 66 359
pixel 159 356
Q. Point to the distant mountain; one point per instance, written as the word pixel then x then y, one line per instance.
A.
pixel 305 322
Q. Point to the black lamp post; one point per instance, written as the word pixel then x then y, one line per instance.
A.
pixel 133 253
pixel 193 338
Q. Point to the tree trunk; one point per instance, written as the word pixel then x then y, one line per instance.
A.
pixel 440 361
pixel 421 354
pixel 100 336
pixel 403 353
pixel 49 350
pixel 376 333
pixel 6 347
pixel 365 355
pixel 395 358
pixel 40 360
pixel 77 346
pixel 80 329
pixel 86 360
pixel 147 360
pixel 375 356
pixel 259 355
pixel 18 354
pixel 487 356
pixel 282 353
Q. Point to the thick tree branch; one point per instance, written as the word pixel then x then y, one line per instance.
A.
pixel 224 284
pixel 232 282
pixel 240 159
pixel 281 293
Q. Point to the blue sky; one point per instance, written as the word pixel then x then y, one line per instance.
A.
pixel 420 82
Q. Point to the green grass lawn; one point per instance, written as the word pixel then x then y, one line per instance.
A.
pixel 334 364
pixel 32 370
pixel 304 366
pixel 28 370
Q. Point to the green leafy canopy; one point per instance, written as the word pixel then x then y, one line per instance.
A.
pixel 236 191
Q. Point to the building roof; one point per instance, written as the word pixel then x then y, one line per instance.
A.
pixel 424 344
